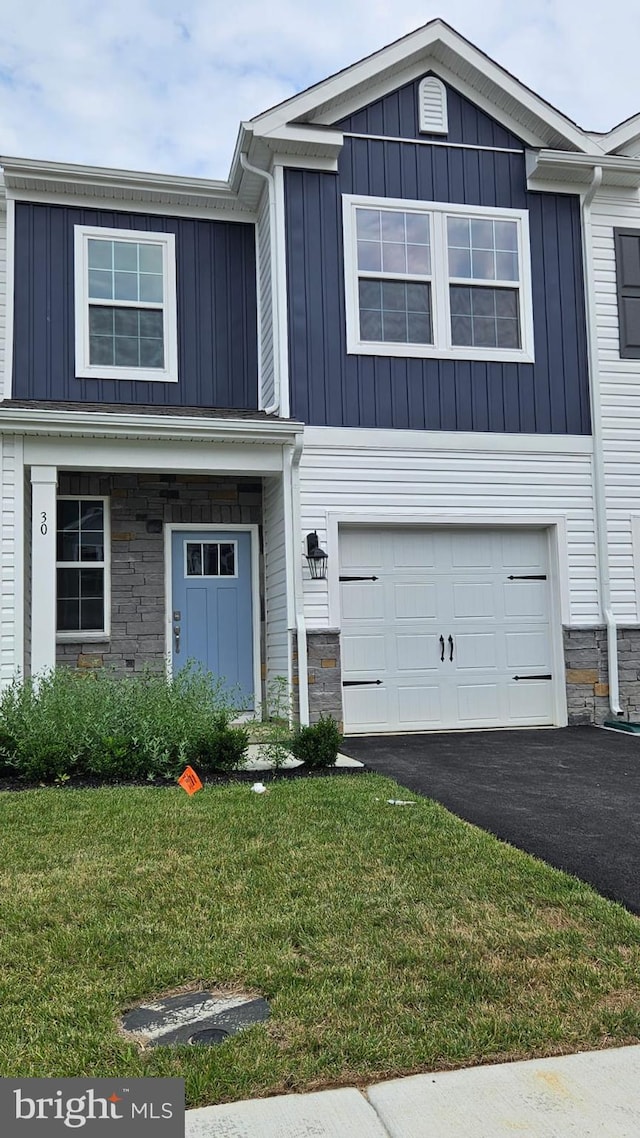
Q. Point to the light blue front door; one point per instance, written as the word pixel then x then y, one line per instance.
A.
pixel 212 606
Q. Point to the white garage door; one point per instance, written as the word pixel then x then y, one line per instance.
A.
pixel 444 628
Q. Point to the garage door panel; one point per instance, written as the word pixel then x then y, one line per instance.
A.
pixel 419 705
pixel 417 653
pixel 475 651
pixel 470 549
pixel 361 547
pixel 531 702
pixel 411 550
pixel 478 703
pixel 366 708
pixel 528 650
pixel 414 601
pixel 524 600
pixel 363 601
pixel 365 653
pixel 473 601
pixel 523 550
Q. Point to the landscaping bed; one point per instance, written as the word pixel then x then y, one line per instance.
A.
pixel 387 939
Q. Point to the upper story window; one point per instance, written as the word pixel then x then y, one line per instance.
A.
pixel 125 292
pixel 434 280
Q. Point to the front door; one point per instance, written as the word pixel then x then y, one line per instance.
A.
pixel 212 607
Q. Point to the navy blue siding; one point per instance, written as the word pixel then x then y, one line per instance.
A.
pixel 216 295
pixel 330 387
pixel 397 115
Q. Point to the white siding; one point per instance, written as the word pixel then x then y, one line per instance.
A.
pixel 277 653
pixel 620 402
pixel 265 306
pixel 11 582
pixel 433 482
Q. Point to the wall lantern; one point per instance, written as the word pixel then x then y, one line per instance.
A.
pixel 316 558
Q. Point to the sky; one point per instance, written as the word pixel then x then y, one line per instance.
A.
pixel 162 86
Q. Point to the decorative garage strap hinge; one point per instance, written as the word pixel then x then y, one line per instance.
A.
pixel 359 683
pixel 546 677
pixel 528 577
pixel 357 578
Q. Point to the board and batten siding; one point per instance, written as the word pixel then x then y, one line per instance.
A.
pixel 620 402
pixel 216 301
pixel 330 387
pixel 276 648
pixel 265 304
pixel 428 481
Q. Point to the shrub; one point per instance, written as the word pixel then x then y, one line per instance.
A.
pixel 225 749
pixel 318 744
pixel 112 727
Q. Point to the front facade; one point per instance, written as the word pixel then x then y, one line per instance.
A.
pixel 393 328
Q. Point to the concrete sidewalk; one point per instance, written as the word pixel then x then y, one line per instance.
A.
pixel 593 1094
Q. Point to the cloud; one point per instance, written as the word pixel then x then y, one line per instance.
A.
pixel 152 84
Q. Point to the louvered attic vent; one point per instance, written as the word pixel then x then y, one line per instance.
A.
pixel 433 106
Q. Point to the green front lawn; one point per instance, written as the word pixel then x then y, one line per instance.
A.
pixel 387 939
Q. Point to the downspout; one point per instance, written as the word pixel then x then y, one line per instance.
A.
pixel 275 280
pixel 599 487
pixel 295 588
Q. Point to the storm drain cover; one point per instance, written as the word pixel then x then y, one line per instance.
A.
pixel 202 1018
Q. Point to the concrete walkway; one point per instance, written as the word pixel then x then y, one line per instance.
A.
pixel 594 1094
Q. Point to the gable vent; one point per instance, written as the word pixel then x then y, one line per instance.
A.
pixel 433 106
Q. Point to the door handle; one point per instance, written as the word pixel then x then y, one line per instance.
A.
pixel 442 647
pixel 451 647
pixel 176 637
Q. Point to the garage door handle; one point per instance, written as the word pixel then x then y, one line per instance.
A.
pixel 442 647
pixel 451 647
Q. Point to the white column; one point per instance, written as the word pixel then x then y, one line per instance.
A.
pixel 44 480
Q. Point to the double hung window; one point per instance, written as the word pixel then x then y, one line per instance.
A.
pixel 82 544
pixel 125 304
pixel 429 279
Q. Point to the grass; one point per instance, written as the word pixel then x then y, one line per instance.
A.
pixel 387 939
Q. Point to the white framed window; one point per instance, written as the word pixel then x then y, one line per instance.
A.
pixel 82 568
pixel 125 304
pixel 434 280
pixel 211 559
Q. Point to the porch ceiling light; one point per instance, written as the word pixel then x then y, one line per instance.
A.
pixel 316 558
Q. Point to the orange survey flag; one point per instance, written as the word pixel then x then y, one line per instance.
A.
pixel 189 781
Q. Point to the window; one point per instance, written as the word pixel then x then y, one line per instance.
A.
pixel 210 558
pixel 434 280
pixel 81 560
pixel 627 246
pixel 125 304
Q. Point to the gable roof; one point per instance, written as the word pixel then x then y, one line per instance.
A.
pixel 439 48
pixel 622 135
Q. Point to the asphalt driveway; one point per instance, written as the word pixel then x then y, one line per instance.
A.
pixel 570 795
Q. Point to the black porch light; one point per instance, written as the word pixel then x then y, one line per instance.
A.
pixel 316 558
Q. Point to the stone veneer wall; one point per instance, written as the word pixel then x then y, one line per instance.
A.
pixel 137 557
pixel 323 672
pixel 585 651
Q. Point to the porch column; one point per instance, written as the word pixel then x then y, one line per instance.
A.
pixel 44 481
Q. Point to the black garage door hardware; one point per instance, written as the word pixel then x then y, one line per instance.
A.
pixel 532 677
pixel 359 683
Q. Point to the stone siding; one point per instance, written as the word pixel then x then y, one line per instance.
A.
pixel 137 557
pixel 324 674
pixel 586 661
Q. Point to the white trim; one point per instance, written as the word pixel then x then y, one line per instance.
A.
pixel 635 546
pixel 212 527
pixel 170 209
pixel 84 369
pixel 279 280
pixel 9 302
pixel 434 142
pixel 558 570
pixel 440 279
pixel 77 635
pixel 370 439
pixel 19 557
pixel 44 481
pixel 431 123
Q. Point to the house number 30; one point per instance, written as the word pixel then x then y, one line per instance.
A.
pixel 43 523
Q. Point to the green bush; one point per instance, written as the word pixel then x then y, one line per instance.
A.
pixel 224 750
pixel 114 727
pixel 318 744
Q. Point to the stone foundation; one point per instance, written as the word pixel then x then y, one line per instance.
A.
pixel 587 676
pixel 137 557
pixel 323 673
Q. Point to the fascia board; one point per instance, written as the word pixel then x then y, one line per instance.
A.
pixel 621 135
pixel 418 51
pixel 549 166
pixel 96 425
